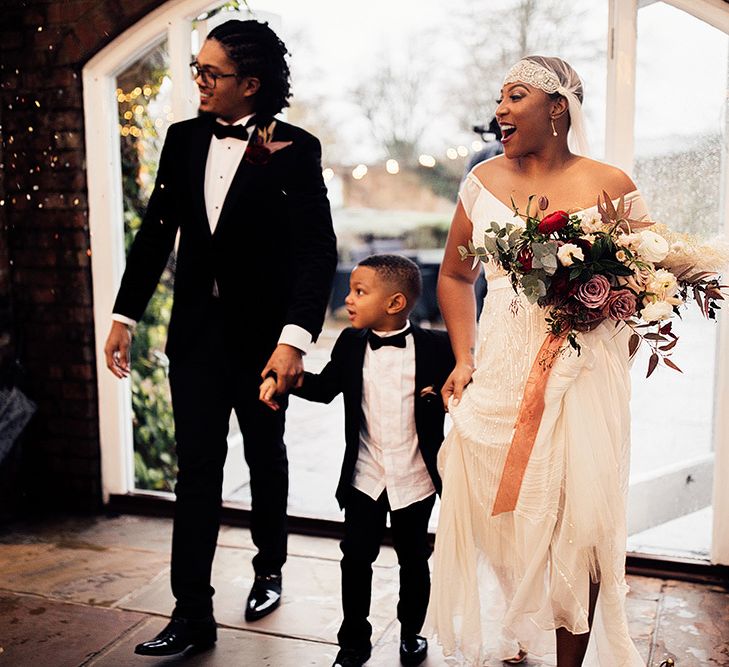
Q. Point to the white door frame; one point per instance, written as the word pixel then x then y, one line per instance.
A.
pixel 173 21
pixel 619 150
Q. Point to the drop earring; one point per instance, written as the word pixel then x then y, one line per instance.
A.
pixel 554 129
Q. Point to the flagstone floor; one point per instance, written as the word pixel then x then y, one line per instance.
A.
pixel 85 591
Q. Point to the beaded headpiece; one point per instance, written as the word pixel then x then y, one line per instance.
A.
pixel 527 71
pixel 534 74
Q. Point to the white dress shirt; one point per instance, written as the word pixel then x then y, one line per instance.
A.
pixel 389 457
pixel 224 156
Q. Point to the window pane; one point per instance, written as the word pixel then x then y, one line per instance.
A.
pixel 680 107
pixel 145 111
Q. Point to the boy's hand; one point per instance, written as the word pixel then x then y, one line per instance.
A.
pixel 267 391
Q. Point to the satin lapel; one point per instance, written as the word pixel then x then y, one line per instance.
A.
pixel 237 185
pixel 199 149
pixel 240 180
pixel 358 354
pixel 421 370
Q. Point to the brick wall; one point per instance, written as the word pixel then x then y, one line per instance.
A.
pixel 46 316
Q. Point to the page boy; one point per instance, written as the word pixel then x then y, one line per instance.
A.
pixel 390 373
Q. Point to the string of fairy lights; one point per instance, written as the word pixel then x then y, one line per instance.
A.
pixel 134 117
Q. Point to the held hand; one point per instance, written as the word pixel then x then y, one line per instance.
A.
pixel 459 378
pixel 286 362
pixel 116 349
pixel 266 393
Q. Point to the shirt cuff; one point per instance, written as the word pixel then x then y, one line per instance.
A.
pixel 124 320
pixel 295 336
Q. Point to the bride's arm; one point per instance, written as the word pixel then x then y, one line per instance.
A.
pixel 458 305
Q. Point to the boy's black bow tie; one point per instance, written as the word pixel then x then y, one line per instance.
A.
pixel 398 340
pixel 233 131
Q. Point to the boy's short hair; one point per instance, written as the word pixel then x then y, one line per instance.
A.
pixel 399 271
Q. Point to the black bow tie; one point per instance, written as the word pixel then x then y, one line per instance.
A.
pixel 398 340
pixel 233 131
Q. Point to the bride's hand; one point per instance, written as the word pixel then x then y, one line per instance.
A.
pixel 458 379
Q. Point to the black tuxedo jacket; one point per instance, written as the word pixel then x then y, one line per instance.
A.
pixel 272 255
pixel 433 363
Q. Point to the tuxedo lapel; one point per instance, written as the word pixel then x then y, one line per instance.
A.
pixel 241 178
pixel 200 148
pixel 358 352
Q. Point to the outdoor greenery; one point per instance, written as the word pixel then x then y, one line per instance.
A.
pixel 154 442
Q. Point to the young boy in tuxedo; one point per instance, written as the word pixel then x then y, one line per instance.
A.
pixel 390 373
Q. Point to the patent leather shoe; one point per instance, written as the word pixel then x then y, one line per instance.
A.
pixel 350 657
pixel 413 650
pixel 265 596
pixel 179 635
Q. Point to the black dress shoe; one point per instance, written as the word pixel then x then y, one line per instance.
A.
pixel 413 650
pixel 179 635
pixel 351 657
pixel 265 596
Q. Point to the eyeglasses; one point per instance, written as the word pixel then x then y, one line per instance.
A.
pixel 209 79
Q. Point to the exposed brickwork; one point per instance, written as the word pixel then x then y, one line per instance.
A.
pixel 46 316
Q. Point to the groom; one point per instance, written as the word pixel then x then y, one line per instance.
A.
pixel 255 261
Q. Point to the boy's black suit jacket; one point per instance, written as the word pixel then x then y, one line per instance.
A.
pixel 272 255
pixel 433 363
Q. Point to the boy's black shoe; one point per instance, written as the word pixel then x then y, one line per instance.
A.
pixel 351 657
pixel 413 650
pixel 179 635
pixel 265 596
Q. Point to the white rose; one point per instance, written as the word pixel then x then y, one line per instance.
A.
pixel 656 311
pixel 663 283
pixel 568 253
pixel 652 247
pixel 590 223
pixel 628 240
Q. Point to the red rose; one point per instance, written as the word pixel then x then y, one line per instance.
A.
pixel 553 222
pixel 525 258
pixel 257 154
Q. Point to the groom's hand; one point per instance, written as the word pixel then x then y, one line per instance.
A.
pixel 116 349
pixel 286 362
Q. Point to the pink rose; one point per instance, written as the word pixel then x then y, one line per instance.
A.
pixel 620 305
pixel 594 292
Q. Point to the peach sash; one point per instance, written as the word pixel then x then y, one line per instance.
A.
pixel 527 426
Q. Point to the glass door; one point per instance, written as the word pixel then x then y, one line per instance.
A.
pixel 680 116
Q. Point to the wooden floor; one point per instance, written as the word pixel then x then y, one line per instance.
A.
pixel 85 591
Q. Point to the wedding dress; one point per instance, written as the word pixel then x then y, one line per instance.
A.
pixel 505 581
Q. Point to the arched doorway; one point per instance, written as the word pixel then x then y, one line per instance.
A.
pixel 620 123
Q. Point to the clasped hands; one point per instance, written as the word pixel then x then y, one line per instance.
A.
pixel 284 370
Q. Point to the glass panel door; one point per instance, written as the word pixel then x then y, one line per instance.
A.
pixel 681 81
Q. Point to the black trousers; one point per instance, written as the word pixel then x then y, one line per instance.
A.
pixel 364 527
pixel 206 384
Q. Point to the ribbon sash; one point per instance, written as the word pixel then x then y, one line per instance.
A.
pixel 527 426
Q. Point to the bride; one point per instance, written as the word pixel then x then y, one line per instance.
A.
pixel 543 578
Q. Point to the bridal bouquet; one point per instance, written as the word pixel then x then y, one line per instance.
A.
pixel 588 267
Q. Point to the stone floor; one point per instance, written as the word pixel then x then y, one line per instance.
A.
pixel 85 591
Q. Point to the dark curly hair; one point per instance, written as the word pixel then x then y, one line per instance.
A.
pixel 257 51
pixel 400 272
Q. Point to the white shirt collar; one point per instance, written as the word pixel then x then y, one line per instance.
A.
pixel 240 121
pixel 385 334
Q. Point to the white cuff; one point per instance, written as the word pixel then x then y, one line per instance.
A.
pixel 124 320
pixel 295 336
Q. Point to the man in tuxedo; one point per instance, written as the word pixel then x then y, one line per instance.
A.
pixel 255 261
